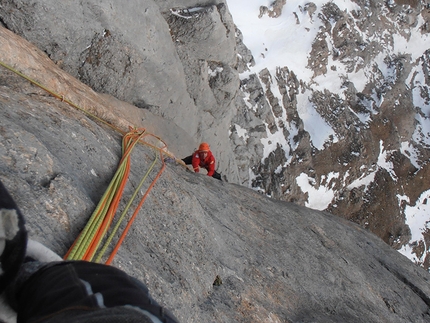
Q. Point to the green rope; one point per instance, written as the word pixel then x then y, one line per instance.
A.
pixel 95 222
pixel 89 230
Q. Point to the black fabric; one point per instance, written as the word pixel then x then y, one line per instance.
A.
pixel 106 315
pixel 188 160
pixel 14 251
pixel 82 288
pixel 25 272
pixel 217 175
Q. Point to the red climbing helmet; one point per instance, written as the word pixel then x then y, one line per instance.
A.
pixel 204 147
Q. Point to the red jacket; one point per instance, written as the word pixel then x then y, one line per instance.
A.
pixel 208 163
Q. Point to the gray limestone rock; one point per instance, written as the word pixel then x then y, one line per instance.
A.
pixel 208 250
pixel 130 51
pixel 178 60
pixel 123 49
pixel 204 38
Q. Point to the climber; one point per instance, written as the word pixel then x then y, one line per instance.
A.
pixel 41 289
pixel 204 158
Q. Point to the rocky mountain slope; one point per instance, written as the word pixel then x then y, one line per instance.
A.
pixel 341 125
pixel 210 251
pixel 335 113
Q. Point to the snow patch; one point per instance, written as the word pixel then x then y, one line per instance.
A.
pixel 383 161
pixel 241 132
pixel 186 13
pixel 214 72
pixel 410 152
pixel 318 198
pixel 272 141
pixel 418 220
pixel 364 180
pixel 314 123
pixel 282 41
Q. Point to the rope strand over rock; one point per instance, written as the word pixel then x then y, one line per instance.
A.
pixel 88 242
pixel 90 238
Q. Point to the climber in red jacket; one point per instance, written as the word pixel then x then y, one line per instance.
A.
pixel 203 158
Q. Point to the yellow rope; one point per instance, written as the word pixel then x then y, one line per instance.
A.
pixel 59 96
pixel 63 99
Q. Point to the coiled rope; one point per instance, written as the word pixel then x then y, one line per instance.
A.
pixel 86 246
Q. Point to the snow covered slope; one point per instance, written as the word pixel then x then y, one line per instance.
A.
pixel 336 107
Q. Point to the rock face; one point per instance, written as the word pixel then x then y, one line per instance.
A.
pixel 180 60
pixel 211 76
pixel 208 250
pixel 154 56
pixel 160 57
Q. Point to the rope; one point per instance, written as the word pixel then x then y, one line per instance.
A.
pixel 91 236
pixel 60 97
pixel 130 141
pixel 88 242
pixel 69 102
pixel 122 216
pixel 133 217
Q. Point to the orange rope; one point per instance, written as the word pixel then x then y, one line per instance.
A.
pixel 114 204
pixel 100 225
pixel 109 216
pixel 112 210
pixel 130 222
